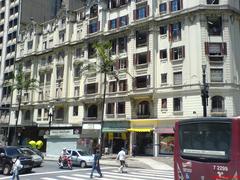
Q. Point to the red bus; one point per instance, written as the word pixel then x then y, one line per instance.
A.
pixel 207 149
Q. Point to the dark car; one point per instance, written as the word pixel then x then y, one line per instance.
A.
pixel 8 154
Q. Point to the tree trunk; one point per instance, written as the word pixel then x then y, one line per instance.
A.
pixel 103 103
pixel 15 135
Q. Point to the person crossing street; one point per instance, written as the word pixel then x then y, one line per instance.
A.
pixel 122 158
pixel 96 165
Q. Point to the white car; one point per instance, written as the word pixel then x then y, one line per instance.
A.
pixel 81 158
pixel 37 160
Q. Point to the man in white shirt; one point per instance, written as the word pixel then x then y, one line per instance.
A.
pixel 121 157
pixel 16 168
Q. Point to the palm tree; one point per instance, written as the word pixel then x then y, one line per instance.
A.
pixel 103 67
pixel 22 82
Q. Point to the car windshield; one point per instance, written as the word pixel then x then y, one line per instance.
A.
pixel 83 153
pixel 13 151
pixel 28 152
pixel 205 140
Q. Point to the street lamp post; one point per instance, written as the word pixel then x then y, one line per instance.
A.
pixel 50 116
pixel 204 92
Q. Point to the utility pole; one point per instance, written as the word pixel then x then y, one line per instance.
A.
pixel 204 91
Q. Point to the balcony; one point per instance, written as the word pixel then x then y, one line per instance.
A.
pixel 218 112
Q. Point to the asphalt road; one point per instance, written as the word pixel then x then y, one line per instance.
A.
pixel 50 171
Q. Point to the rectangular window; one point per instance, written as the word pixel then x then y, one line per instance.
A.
pixel 214 26
pixel 48 78
pixel 91 51
pixel 141 12
pixel 212 1
pixel 163 8
pixel 123 63
pixel 61 36
pixel 218 60
pixel 76 91
pixel 216 75
pixel 175 5
pixel 122 2
pixel 215 49
pixel 163 78
pixel 177 53
pixel 177 78
pixel 40 96
pixel 91 88
pixel 113 86
pixel 93 26
pixel 114 46
pixel 142 81
pixel 177 104
pixel 175 31
pixel 123 85
pixel 141 38
pixel 110 108
pixel 121 108
pixel 164 104
pixel 29 45
pixel 39 113
pixel 122 44
pixel 163 30
pixel 113 24
pixel 77 71
pixel 163 54
pixel 142 58
pixel 123 21
pixel 75 110
pixel 44 45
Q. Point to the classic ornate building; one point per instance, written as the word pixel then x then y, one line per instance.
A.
pixel 162 44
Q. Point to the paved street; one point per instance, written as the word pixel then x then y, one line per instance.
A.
pixel 109 173
pixel 50 171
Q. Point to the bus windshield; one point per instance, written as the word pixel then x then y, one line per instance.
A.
pixel 205 140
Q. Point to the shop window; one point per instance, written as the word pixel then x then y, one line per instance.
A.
pixel 110 108
pixel 121 108
pixel 163 8
pixel 214 26
pixel 141 38
pixel 212 1
pixel 91 88
pixel 113 86
pixel 166 143
pixel 217 104
pixel 123 85
pixel 177 104
pixel 75 110
pixel 216 74
pixel 92 111
pixel 163 78
pixel 164 104
pixel 143 109
pixel 177 78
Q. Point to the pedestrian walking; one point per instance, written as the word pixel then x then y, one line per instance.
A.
pixel 122 157
pixel 96 164
pixel 134 149
pixel 16 168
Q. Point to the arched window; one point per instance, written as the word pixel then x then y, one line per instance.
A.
pixel 217 104
pixel 92 111
pixel 143 108
pixel 94 11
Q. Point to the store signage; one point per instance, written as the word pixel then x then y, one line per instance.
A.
pixel 58 132
pixel 91 126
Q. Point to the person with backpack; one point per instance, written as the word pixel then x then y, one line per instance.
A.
pixel 16 168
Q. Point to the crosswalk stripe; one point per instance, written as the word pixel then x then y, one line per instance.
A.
pixel 47 178
pixel 148 173
pixel 69 177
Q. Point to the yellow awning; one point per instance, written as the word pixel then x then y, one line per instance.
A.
pixel 140 129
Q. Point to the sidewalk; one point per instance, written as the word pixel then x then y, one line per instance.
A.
pixel 161 163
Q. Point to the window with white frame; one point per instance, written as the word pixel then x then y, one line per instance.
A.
pixel 163 54
pixel 163 8
pixel 123 63
pixel 121 108
pixel 39 114
pixel 217 104
pixel 177 104
pixel 75 110
pixel 177 78
pixel 216 74
pixel 177 53
pixel 164 103
pixel 163 30
pixel 110 108
pixel 163 78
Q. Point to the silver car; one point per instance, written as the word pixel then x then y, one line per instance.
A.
pixel 80 158
pixel 37 160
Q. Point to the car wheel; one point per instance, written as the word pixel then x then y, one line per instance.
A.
pixel 6 169
pixel 83 164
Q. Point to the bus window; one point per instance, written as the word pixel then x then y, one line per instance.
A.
pixel 205 140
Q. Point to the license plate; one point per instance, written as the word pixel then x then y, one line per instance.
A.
pixel 26 166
